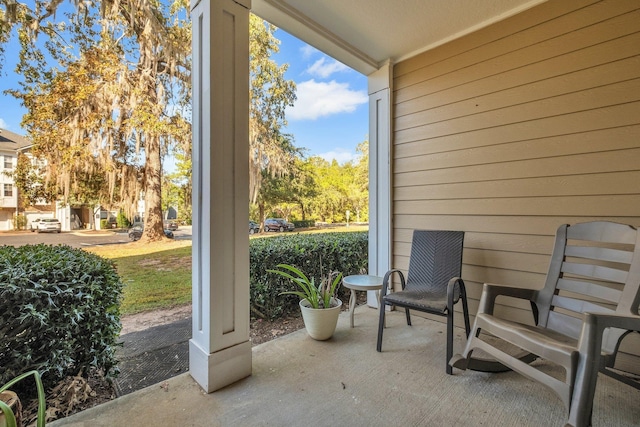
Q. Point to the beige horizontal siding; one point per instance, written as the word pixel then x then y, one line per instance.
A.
pixel 506 89
pixel 605 117
pixel 408 173
pixel 520 49
pixel 518 24
pixel 513 130
pixel 498 225
pixel 523 148
pixel 487 241
pixel 556 186
pixel 495 65
pixel 554 206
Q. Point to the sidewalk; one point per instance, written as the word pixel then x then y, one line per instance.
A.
pixel 152 355
pixel 83 232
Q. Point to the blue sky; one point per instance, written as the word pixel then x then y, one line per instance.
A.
pixel 10 109
pixel 330 117
pixel 331 114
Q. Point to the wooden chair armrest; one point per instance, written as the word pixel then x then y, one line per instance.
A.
pixel 594 325
pixel 600 321
pixel 491 291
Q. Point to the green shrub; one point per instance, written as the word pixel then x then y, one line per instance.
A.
pixel 59 312
pixel 314 254
pixel 104 224
pixel 20 222
pixel 122 221
pixel 304 224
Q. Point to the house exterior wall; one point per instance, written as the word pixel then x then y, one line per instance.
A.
pixel 515 129
pixel 8 202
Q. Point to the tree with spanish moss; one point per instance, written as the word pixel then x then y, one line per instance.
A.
pixel 270 150
pixel 108 93
pixel 135 106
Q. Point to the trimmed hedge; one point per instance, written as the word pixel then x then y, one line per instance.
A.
pixel 314 254
pixel 59 312
pixel 304 224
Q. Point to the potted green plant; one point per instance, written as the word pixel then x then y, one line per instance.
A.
pixel 8 399
pixel 318 303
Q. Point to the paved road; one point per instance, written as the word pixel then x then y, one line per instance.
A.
pixel 76 239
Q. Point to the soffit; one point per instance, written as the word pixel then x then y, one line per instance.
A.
pixel 364 34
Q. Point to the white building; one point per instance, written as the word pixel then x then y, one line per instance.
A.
pixel 10 145
pixel 71 216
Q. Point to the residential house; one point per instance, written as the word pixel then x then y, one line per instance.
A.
pixel 71 217
pixel 501 118
pixel 10 145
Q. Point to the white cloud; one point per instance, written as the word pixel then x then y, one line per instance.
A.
pixel 3 124
pixel 323 69
pixel 321 99
pixel 339 154
pixel 307 51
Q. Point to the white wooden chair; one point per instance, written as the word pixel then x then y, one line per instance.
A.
pixel 588 304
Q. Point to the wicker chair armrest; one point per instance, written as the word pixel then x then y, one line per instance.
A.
pixel 455 282
pixel 387 277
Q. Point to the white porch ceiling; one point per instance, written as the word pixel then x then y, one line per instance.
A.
pixel 364 34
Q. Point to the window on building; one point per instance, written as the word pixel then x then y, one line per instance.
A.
pixel 8 162
pixel 8 190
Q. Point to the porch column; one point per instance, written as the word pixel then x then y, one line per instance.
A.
pixel 380 218
pixel 220 350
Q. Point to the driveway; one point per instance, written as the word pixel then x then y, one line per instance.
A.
pixel 77 238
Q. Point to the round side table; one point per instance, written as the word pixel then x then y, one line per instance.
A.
pixel 361 282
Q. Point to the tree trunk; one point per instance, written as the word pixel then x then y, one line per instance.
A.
pixel 261 215
pixel 186 209
pixel 153 221
pixel 304 214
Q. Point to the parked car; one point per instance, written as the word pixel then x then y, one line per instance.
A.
pixel 278 224
pixel 254 227
pixel 170 224
pixel 33 225
pixel 45 225
pixel 135 232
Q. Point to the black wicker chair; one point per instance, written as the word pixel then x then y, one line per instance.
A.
pixel 433 282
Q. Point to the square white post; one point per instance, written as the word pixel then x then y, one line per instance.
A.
pixel 380 219
pixel 220 350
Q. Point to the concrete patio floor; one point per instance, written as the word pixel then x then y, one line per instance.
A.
pixel 297 381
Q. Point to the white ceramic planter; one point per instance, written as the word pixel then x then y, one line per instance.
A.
pixel 320 322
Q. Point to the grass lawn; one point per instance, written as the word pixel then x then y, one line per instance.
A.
pixel 155 275
pixel 158 275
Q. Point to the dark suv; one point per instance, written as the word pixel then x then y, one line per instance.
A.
pixel 277 224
